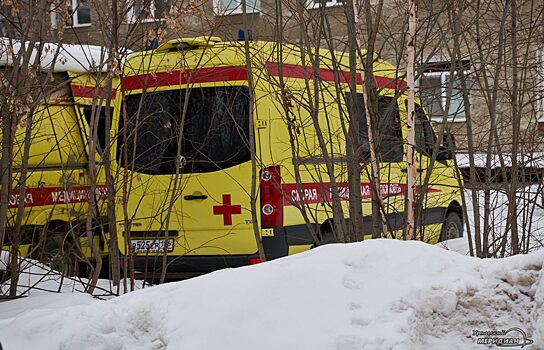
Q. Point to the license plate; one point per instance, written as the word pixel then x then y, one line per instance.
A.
pixel 151 245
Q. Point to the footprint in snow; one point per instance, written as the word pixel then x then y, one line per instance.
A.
pixel 350 283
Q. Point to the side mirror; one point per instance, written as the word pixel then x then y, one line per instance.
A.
pixel 182 161
pixel 449 141
pixel 446 150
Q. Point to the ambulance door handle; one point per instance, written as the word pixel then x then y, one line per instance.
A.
pixel 192 197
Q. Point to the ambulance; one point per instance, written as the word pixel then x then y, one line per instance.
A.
pixel 194 108
pixel 56 192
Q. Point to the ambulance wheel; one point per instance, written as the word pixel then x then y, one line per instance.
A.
pixel 58 250
pixel 326 236
pixel 452 227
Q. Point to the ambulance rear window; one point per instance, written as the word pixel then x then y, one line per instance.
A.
pixel 215 130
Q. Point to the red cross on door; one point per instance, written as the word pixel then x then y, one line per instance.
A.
pixel 227 210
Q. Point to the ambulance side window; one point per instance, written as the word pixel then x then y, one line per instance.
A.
pixel 363 131
pixel 389 142
pixel 389 138
pixel 103 134
pixel 425 136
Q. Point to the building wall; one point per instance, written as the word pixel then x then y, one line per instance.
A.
pixel 447 31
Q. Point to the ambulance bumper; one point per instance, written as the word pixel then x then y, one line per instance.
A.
pixel 274 247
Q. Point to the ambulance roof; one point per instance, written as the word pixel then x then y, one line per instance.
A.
pixel 262 52
pixel 214 44
pixel 78 58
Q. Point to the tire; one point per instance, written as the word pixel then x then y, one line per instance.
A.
pixel 452 227
pixel 328 237
pixel 325 236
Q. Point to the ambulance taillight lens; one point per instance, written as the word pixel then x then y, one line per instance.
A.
pixel 271 198
pixel 254 261
pixel 268 209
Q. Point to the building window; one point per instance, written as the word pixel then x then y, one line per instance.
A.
pixel 326 3
pixel 80 14
pixel 442 89
pixel 147 10
pixel 3 30
pixel 234 7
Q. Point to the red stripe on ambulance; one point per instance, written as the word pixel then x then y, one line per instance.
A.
pixel 189 76
pixel 310 193
pixel 92 92
pixel 239 73
pixel 301 72
pixel 35 197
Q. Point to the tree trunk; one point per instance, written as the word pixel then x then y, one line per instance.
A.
pixel 411 125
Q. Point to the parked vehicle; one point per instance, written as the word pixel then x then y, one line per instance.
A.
pixel 190 121
pixel 185 120
pixel 57 185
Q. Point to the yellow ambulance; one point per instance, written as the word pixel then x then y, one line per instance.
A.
pixel 184 132
pixel 56 192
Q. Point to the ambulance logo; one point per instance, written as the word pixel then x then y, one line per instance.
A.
pixel 227 210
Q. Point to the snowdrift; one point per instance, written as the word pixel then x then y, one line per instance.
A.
pixel 380 294
pixel 37 278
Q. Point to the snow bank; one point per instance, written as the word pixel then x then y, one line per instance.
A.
pixel 380 294
pixel 38 279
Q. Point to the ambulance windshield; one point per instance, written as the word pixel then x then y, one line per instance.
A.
pixel 194 130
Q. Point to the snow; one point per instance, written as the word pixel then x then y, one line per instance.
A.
pixel 379 294
pixel 78 58
pixel 38 279
pixel 530 217
pixel 535 160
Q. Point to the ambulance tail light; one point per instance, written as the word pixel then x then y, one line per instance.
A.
pixel 271 198
pixel 254 261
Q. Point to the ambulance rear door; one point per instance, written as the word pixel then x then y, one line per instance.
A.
pixel 216 167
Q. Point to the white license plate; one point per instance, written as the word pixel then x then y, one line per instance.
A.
pixel 151 245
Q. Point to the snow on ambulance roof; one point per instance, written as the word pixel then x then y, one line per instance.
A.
pixel 78 58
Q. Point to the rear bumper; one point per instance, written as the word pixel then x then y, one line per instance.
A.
pixel 274 247
pixel 191 264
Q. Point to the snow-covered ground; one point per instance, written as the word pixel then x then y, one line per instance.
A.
pixel 380 294
pixel 37 279
pixel 530 218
